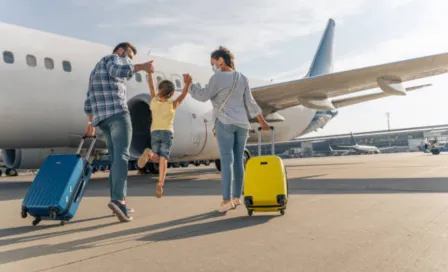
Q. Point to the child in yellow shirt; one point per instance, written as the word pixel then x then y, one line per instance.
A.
pixel 163 110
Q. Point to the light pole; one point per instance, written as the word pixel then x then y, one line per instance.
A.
pixel 388 125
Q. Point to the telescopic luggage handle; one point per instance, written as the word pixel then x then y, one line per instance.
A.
pixel 92 144
pixel 273 140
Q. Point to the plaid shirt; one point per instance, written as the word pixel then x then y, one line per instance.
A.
pixel 106 95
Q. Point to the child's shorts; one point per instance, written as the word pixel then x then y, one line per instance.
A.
pixel 161 142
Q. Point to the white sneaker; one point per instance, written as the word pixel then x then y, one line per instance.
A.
pixel 225 207
pixel 236 202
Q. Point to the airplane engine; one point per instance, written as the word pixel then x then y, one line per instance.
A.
pixel 30 158
pixel 141 124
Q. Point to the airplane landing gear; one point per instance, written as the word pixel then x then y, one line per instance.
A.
pixel 11 172
pixel 218 165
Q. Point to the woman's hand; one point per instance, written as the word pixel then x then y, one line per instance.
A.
pixel 264 125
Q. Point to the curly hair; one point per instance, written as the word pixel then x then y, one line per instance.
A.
pixel 227 56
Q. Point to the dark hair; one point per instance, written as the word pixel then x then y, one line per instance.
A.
pixel 166 88
pixel 125 46
pixel 224 53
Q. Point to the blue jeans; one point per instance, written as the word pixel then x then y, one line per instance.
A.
pixel 161 142
pixel 231 143
pixel 117 130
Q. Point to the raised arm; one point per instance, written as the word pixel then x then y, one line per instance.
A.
pixel 204 94
pixel 152 88
pixel 187 83
pixel 116 69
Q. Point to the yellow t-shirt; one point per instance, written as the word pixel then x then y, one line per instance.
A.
pixel 162 114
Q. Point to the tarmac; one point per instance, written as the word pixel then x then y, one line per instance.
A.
pixel 386 212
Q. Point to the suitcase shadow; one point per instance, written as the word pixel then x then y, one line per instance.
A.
pixel 94 242
pixel 29 229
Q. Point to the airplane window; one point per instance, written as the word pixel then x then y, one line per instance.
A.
pixel 8 57
pixel 138 77
pixel 49 64
pixel 178 84
pixel 67 66
pixel 31 60
pixel 159 79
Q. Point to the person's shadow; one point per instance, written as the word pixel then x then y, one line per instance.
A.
pixel 198 229
pixel 208 228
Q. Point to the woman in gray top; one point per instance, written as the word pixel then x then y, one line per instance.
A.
pixel 232 123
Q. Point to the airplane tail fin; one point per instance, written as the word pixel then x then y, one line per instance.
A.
pixel 353 140
pixel 323 59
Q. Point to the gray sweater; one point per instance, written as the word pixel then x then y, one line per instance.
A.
pixel 217 90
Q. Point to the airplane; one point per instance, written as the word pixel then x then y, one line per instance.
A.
pixel 340 152
pixel 361 149
pixel 44 80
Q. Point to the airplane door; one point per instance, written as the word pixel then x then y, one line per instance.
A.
pixel 198 134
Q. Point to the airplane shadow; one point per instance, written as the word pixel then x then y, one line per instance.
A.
pixel 138 185
pixel 190 184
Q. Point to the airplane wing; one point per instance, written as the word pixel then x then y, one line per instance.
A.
pixel 317 92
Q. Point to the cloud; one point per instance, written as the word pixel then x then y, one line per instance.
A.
pixel 424 40
pixel 250 28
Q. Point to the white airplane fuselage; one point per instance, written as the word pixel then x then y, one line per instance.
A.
pixel 366 148
pixel 41 110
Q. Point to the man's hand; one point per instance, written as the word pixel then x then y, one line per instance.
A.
pixel 149 67
pixel 90 130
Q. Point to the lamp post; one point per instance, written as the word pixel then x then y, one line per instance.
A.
pixel 388 125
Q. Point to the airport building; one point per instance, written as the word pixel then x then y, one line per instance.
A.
pixel 404 140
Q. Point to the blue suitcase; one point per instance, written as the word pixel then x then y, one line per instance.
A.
pixel 58 187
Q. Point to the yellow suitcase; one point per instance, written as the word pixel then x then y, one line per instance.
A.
pixel 265 182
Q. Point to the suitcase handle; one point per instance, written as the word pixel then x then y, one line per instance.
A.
pixel 273 140
pixel 92 144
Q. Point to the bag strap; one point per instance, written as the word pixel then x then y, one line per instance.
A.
pixel 225 101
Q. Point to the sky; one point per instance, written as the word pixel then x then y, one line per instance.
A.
pixel 272 40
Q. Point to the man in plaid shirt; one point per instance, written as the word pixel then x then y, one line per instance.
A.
pixel 106 108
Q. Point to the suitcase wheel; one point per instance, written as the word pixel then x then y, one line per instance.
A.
pixel 36 221
pixel 62 223
pixel 52 214
pixel 282 212
pixel 250 212
pixel 24 214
